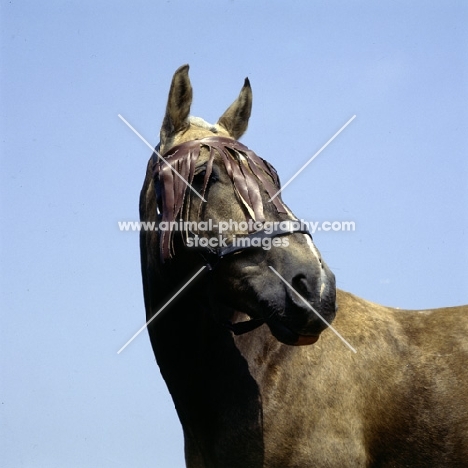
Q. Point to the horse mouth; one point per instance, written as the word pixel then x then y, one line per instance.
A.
pixel 285 335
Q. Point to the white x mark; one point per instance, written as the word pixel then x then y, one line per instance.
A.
pixel 312 158
pixel 159 156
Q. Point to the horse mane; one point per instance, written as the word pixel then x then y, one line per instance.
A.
pixel 202 123
pixel 247 171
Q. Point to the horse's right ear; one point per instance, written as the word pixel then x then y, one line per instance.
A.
pixel 236 119
pixel 178 104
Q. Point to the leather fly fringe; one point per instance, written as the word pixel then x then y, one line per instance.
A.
pixel 247 171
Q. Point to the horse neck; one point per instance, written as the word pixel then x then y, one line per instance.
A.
pixel 216 397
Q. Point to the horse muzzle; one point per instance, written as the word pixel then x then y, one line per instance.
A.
pixel 310 307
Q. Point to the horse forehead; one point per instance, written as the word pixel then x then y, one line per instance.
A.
pixel 202 123
pixel 199 129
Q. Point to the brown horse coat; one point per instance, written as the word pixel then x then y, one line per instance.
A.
pixel 400 401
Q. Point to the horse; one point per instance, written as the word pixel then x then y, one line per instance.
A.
pixel 244 334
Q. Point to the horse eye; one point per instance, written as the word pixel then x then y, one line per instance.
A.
pixel 214 176
pixel 200 175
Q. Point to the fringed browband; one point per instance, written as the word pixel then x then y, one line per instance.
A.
pixel 248 172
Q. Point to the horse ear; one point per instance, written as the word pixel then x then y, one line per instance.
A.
pixel 178 103
pixel 236 119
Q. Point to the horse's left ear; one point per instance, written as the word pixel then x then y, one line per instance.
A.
pixel 178 104
pixel 236 119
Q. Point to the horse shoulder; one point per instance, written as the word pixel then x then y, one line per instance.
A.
pixel 326 404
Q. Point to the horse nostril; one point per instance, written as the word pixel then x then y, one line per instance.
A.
pixel 299 283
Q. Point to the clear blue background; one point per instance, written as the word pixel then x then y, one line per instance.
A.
pixel 70 170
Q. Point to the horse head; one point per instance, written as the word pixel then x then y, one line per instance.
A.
pixel 217 203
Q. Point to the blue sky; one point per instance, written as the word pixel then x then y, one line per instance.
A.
pixel 70 170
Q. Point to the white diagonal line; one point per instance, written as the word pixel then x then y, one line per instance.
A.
pixel 312 158
pixel 161 309
pixel 313 310
pixel 159 156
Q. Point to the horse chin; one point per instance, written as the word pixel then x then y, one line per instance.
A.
pixel 287 336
